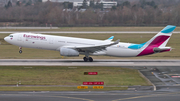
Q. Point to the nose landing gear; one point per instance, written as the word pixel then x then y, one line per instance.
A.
pixel 20 51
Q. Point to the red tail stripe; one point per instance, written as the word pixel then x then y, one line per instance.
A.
pixel 159 40
pixel 155 43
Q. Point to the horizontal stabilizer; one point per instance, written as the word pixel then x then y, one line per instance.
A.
pixel 161 49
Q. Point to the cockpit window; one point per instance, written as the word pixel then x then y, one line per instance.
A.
pixel 10 35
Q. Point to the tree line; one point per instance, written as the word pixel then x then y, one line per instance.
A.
pixel 58 14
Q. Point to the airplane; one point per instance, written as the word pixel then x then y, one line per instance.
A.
pixel 70 46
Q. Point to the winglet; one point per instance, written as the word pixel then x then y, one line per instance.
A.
pixel 117 41
pixel 110 38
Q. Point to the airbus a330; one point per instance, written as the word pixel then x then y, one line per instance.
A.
pixel 70 46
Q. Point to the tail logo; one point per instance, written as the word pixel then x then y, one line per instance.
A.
pixel 168 29
pixel 159 40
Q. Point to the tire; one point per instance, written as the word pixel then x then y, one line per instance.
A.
pixel 90 59
pixel 20 51
pixel 85 59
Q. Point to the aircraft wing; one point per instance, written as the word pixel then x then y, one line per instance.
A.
pixel 94 48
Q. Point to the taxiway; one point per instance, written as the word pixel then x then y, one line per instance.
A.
pixel 90 96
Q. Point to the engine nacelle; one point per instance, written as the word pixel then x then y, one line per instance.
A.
pixel 68 52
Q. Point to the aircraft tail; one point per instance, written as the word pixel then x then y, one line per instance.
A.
pixel 158 42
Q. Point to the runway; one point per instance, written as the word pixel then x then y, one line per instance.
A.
pixel 29 27
pixel 88 32
pixel 96 62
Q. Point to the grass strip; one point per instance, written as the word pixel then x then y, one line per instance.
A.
pixel 95 29
pixel 63 75
pixel 59 89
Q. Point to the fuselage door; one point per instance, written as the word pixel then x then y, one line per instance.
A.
pixel 20 37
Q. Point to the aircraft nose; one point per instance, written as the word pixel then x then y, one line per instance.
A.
pixel 5 38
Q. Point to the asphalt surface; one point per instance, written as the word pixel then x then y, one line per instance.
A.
pixel 90 96
pixel 29 28
pixel 89 32
pixel 96 62
pixel 164 78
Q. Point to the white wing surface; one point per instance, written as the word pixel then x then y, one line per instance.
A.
pixel 92 48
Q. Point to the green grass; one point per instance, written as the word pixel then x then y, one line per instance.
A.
pixel 95 29
pixel 8 51
pixel 58 89
pixel 61 75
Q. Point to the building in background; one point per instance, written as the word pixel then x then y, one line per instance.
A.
pixel 76 3
pixel 108 4
pixel 79 3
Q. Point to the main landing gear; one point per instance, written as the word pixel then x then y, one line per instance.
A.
pixel 20 50
pixel 90 59
pixel 87 58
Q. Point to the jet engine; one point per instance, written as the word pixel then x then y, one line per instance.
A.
pixel 68 52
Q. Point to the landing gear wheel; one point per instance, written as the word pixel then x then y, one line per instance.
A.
pixel 90 59
pixel 20 51
pixel 85 59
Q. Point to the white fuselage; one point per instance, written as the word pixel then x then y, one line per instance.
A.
pixel 51 42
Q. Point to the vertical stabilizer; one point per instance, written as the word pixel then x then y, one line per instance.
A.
pixel 158 41
pixel 162 37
